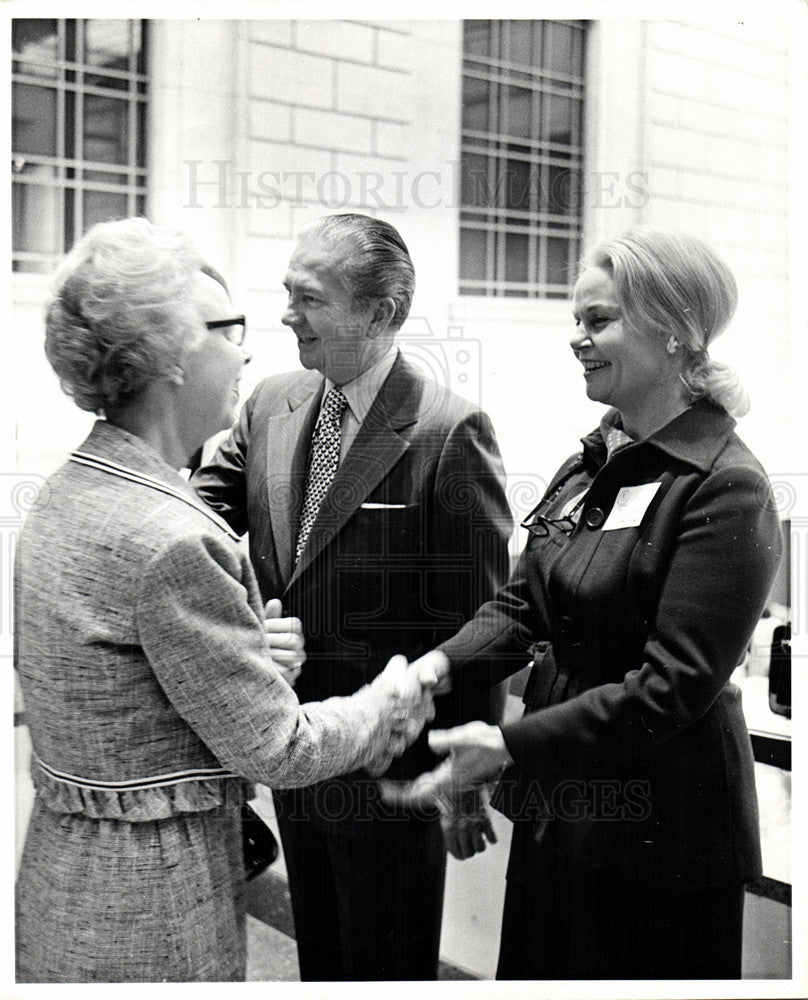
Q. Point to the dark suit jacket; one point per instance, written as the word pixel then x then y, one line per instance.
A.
pixel 634 743
pixel 410 540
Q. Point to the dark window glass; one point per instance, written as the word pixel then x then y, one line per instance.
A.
pixel 108 43
pixel 517 184
pixel 520 41
pixel 72 221
pixel 475 104
pixel 102 206
pixel 558 121
pixel 476 188
pixel 139 45
pixel 559 49
pixel 516 257
pixel 559 262
pixel 517 117
pixel 33 116
pixel 140 151
pixel 105 129
pixel 477 37
pixel 473 252
pixel 561 194
pixel 103 177
pixel 34 44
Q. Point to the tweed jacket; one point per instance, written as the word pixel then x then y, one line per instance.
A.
pixel 142 657
pixel 409 541
pixel 633 740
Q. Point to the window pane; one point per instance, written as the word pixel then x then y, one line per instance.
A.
pixel 477 37
pixel 107 43
pixel 106 82
pixel 72 225
pixel 102 206
pixel 70 124
pixel 139 34
pixel 558 122
pixel 70 41
pixel 103 177
pixel 33 119
pixel 561 193
pixel 517 113
pixel 520 35
pixel 517 184
pixel 475 187
pixel 35 215
pixel 140 152
pixel 559 264
pixel 475 104
pixel 105 129
pixel 516 257
pixel 538 36
pixel 559 48
pixel 34 40
pixel 473 249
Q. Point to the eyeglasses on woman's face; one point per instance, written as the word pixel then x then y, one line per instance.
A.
pixel 234 329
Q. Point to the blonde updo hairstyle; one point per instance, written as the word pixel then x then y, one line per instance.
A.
pixel 121 312
pixel 671 283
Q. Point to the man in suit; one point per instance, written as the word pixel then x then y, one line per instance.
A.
pixel 375 508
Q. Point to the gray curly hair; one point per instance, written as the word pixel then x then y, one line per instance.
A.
pixel 121 311
pixel 672 283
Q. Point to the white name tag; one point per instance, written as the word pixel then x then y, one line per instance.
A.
pixel 630 506
pixel 384 506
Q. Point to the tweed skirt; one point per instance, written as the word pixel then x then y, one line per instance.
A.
pixel 105 900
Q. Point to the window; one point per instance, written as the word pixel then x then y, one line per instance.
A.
pixel 78 134
pixel 521 157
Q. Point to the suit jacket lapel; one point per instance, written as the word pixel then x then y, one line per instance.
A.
pixel 374 452
pixel 288 440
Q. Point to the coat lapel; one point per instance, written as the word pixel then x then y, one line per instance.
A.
pixel 288 439
pixel 377 448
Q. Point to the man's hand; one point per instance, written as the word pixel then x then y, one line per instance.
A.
pixel 476 755
pixel 285 638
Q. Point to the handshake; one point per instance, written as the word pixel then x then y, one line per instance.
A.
pixel 406 697
pixel 403 694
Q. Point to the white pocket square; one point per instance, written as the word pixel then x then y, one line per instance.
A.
pixel 384 506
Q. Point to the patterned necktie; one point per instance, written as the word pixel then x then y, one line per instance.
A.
pixel 324 462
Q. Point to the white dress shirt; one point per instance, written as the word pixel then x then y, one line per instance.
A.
pixel 361 393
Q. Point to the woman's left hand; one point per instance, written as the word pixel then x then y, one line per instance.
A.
pixel 466 824
pixel 476 754
pixel 286 643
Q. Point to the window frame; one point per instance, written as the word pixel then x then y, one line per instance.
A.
pixel 72 180
pixel 537 224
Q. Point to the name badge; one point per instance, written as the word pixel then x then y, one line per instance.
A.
pixel 630 506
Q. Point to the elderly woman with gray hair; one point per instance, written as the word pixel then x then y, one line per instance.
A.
pixel 150 687
pixel 647 565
